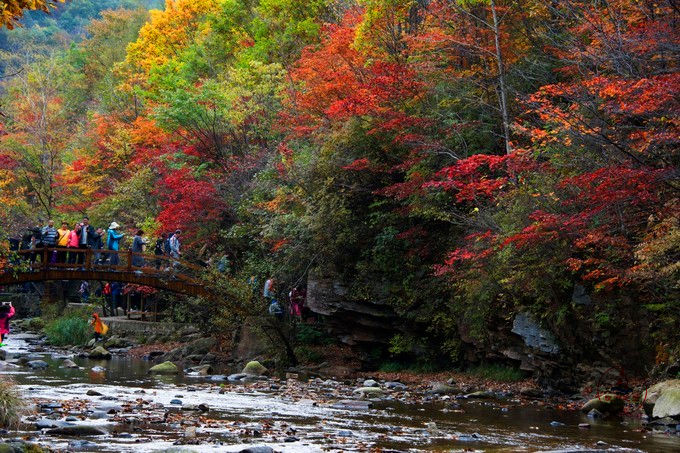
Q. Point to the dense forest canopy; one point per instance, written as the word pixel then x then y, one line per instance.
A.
pixel 460 161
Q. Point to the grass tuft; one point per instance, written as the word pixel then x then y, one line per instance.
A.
pixel 11 405
pixel 68 330
pixel 496 372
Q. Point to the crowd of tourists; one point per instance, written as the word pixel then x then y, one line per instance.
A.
pixel 68 244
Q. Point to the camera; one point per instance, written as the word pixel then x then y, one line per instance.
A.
pixel 6 304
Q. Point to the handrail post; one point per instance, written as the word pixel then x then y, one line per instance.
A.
pixel 44 258
pixel 129 260
pixel 88 259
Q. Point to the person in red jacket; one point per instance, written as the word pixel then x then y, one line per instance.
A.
pixel 6 312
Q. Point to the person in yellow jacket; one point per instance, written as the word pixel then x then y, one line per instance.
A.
pixel 62 242
pixel 100 328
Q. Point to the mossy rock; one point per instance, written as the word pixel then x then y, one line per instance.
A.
pixel 115 342
pixel 369 391
pixel 35 324
pixel 99 353
pixel 165 368
pixel 440 388
pixel 653 393
pixel 608 403
pixel 254 367
pixel 668 404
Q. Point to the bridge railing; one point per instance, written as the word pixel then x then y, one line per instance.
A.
pixel 60 258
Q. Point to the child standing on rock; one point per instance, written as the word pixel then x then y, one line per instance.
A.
pixel 6 313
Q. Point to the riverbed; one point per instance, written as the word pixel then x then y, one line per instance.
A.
pixel 139 412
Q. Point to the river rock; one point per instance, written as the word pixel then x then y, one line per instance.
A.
pixel 655 392
pixel 369 391
pixel 99 353
pixel 257 449
pixel 200 346
pixel 254 367
pixel 68 363
pixel 164 368
pixel 196 407
pixel 594 414
pixel 668 404
pixel 482 394
pixel 37 364
pixel 98 369
pixel 395 386
pixel 8 366
pixel 531 392
pixel 607 404
pixel 237 377
pixel 370 383
pixel 116 342
pixel 3 354
pixel 176 402
pixel 77 431
pixel 440 388
pixel 46 423
pixel 82 445
pixel 93 393
pixel 352 405
pixel 201 370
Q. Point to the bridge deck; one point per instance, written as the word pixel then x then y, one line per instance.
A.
pixel 159 272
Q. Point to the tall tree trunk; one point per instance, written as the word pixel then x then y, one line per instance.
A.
pixel 502 95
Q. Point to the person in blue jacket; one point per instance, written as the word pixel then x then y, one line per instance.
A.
pixel 113 238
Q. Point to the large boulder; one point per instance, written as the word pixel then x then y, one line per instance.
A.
pixel 200 346
pixel 165 368
pixel 533 334
pixel 99 353
pixel 663 399
pixel 607 404
pixel 254 367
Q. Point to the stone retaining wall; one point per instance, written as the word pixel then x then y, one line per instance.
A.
pixel 124 326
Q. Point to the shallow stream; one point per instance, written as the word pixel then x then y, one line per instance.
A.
pixel 138 413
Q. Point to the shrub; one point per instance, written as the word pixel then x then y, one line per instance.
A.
pixel 68 330
pixel 496 372
pixel 311 335
pixel 308 355
pixel 11 405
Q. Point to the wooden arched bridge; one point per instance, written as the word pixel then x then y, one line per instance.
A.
pixel 54 264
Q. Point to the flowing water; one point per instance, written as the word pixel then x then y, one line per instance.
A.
pixel 145 418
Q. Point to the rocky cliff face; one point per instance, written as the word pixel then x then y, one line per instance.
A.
pixel 353 323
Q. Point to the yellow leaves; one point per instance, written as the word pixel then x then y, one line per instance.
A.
pixel 166 34
pixel 12 10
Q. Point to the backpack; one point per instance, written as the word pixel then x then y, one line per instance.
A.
pixel 166 245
